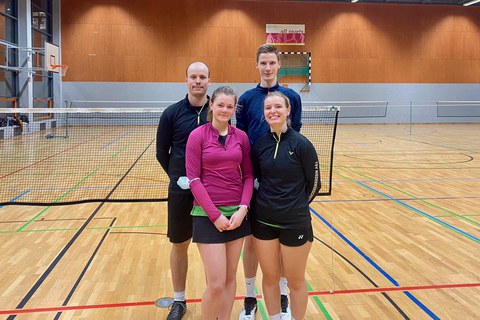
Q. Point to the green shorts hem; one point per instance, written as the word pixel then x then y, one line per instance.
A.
pixel 227 211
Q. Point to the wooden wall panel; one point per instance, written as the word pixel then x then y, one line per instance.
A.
pixel 150 40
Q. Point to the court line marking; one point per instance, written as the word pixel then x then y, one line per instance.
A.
pixel 44 159
pixel 476 239
pixel 18 197
pixel 319 303
pixel 375 265
pixel 54 263
pixel 113 141
pixel 57 200
pixel 85 268
pixel 362 273
pixel 401 199
pixel 260 306
pixel 441 222
pixel 91 228
pixel 432 204
pixel 315 293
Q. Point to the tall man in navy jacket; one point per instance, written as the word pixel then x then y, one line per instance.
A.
pixel 249 116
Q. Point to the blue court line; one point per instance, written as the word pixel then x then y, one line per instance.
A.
pixel 113 141
pixel 407 180
pixel 376 266
pixel 443 223
pixel 400 199
pixel 18 197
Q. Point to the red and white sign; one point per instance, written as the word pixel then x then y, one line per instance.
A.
pixel 291 34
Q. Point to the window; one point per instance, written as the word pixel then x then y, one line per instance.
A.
pixel 41 32
pixel 8 53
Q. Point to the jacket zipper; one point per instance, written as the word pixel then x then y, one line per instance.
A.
pixel 278 143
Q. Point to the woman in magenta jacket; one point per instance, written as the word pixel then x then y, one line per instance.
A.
pixel 220 177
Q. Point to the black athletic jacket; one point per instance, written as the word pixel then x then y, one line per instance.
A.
pixel 176 123
pixel 289 175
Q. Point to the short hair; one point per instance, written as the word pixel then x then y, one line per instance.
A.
pixel 226 90
pixel 267 48
pixel 186 70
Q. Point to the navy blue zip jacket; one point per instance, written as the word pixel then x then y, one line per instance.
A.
pixel 249 113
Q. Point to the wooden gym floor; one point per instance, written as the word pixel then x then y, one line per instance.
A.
pixel 399 238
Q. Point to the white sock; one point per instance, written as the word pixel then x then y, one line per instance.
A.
pixel 179 296
pixel 250 286
pixel 275 317
pixel 283 286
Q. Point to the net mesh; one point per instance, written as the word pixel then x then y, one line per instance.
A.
pixel 294 65
pixel 73 155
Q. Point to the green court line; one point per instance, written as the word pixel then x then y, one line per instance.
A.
pixel 431 218
pixel 461 215
pixel 412 196
pixel 128 227
pixel 260 303
pixel 57 200
pixel 319 303
pixel 121 150
pixel 261 306
pixel 263 310
pixel 91 228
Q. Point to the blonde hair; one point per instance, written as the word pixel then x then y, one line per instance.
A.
pixel 285 98
pixel 278 94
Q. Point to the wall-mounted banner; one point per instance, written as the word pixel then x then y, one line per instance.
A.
pixel 292 34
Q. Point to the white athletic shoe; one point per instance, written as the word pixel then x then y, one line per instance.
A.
pixel 286 315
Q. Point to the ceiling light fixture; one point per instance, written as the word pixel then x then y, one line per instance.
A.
pixel 470 3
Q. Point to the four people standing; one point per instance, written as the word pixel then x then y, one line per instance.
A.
pixel 218 167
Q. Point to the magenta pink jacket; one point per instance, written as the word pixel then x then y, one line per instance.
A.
pixel 220 175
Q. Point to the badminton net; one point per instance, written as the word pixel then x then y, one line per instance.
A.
pixel 63 156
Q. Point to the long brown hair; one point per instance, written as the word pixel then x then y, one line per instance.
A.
pixel 226 90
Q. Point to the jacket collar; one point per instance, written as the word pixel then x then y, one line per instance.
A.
pixel 266 90
pixel 213 130
pixel 205 106
pixel 283 135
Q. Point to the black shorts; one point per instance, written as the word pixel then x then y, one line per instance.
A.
pixel 204 231
pixel 287 237
pixel 180 205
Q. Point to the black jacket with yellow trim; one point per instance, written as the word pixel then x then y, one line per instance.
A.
pixel 288 171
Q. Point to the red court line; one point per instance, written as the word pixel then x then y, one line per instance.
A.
pixel 44 159
pixel 84 307
pixel 403 288
pixel 313 293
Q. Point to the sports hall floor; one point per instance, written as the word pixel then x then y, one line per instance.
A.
pixel 399 238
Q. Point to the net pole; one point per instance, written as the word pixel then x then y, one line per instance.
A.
pixel 411 109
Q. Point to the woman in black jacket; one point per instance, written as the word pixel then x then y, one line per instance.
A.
pixel 287 169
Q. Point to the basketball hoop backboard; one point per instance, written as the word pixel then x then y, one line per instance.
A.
pixel 52 57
